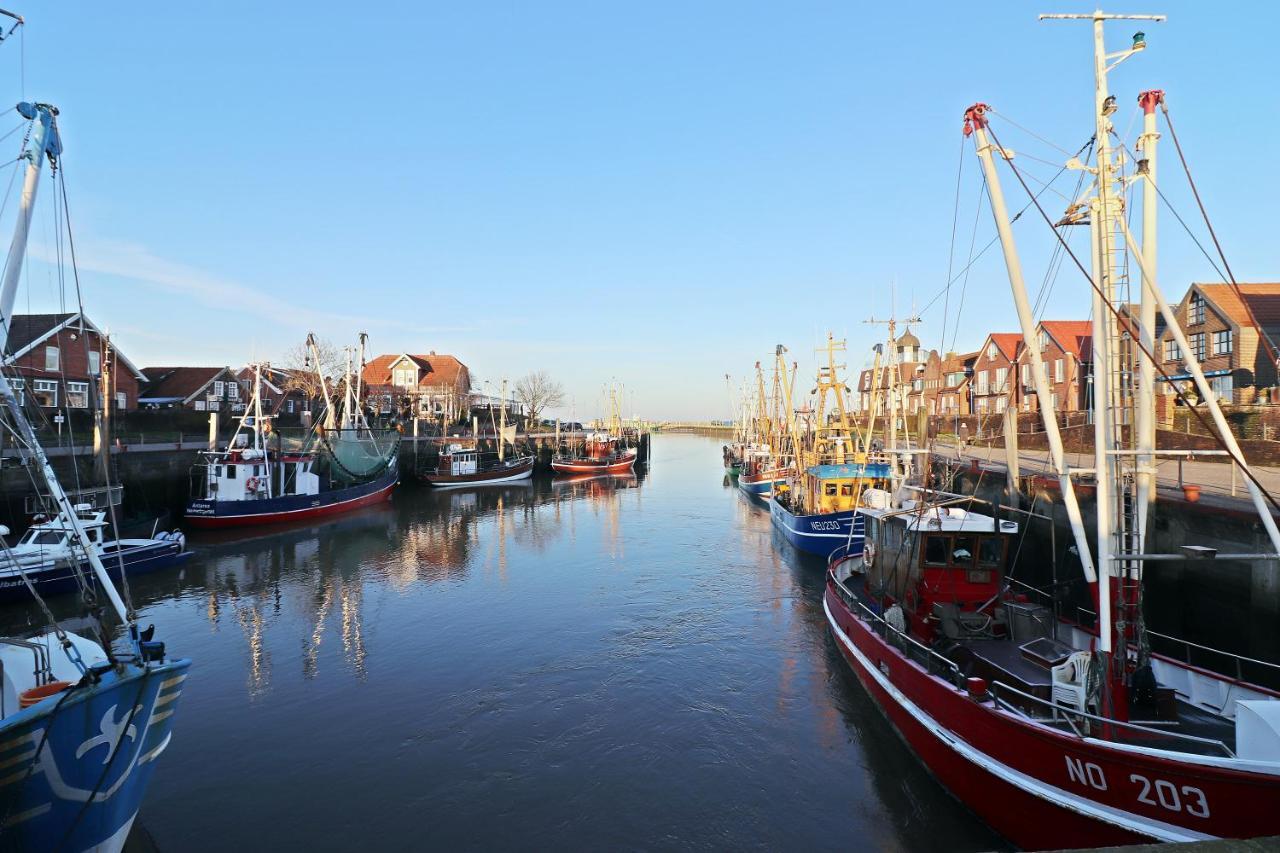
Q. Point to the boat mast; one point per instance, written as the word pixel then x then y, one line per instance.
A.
pixel 1114 472
pixel 1146 422
pixel 502 428
pixel 259 440
pixel 976 123
pixel 44 142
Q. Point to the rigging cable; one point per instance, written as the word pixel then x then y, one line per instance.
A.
pixel 1106 301
pixel 1270 344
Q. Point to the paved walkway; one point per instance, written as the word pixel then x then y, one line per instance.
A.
pixel 1221 483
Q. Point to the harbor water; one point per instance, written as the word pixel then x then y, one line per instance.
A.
pixel 631 663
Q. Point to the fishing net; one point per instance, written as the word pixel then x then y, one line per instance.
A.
pixel 360 453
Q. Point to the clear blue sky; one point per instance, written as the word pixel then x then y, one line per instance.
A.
pixel 650 192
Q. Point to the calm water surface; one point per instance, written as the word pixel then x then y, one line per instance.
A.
pixel 631 663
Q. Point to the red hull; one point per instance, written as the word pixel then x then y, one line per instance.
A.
pixel 1041 788
pixel 220 522
pixel 586 466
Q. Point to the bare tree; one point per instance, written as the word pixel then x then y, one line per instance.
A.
pixel 537 392
pixel 299 364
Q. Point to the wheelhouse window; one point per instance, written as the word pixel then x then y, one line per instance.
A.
pixel 78 395
pixel 990 551
pixel 846 490
pixel 935 550
pixel 962 550
pixel 231 472
pixel 830 490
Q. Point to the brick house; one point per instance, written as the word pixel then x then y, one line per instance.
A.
pixel 55 360
pixel 925 384
pixel 1219 325
pixel 993 372
pixel 282 395
pixel 429 385
pixel 957 384
pixel 1066 350
pixel 910 356
pixel 199 389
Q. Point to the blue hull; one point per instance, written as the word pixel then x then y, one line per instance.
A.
pixel 762 487
pixel 820 534
pixel 61 578
pixel 76 766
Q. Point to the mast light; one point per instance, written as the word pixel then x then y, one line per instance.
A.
pixel 1139 40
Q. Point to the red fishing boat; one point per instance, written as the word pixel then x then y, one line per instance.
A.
pixel 1068 733
pixel 602 454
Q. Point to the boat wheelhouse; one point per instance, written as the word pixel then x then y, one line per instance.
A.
pixel 50 558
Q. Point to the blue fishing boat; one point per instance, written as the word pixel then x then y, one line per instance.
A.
pixel 49 558
pixel 82 720
pixel 822 532
pixel 815 509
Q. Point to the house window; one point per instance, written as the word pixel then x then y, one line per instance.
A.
pixel 1222 342
pixel 1002 378
pixel 200 406
pixel 95 362
pixel 219 388
pixel 991 350
pixel 19 386
pixel 1001 404
pixel 1195 311
pixel 45 392
pixel 1222 386
pixel 405 377
pixel 1197 342
pixel 1053 399
pixel 1044 340
pixel 51 358
pixel 1026 374
pixel 78 395
pixel 1058 371
pixel 1171 351
pixel 233 390
pixel 982 382
pixel 122 400
pixel 289 407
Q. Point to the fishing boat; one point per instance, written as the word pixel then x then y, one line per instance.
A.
pixel 768 460
pixel 1067 732
pixel 50 559
pixel 337 467
pixel 467 466
pixel 602 453
pixel 83 720
pixel 814 509
pixel 464 466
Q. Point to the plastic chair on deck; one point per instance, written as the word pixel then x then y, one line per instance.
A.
pixel 1071 681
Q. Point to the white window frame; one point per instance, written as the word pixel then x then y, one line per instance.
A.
pixel 219 388
pixel 75 389
pixel 95 362
pixel 46 386
pixel 233 390
pixel 122 400
pixel 1059 372
pixel 52 358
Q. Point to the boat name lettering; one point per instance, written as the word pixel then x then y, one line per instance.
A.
pixel 826 525
pixel 1191 799
pixel 1086 773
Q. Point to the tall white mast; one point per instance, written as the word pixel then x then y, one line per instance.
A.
pixel 976 122
pixel 1146 422
pixel 44 142
pixel 1117 528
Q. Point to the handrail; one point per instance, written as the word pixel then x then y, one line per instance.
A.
pixel 852 600
pixel 1233 655
pixel 996 687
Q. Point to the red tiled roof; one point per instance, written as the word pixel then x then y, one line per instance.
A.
pixel 1263 299
pixel 1006 342
pixel 1072 335
pixel 177 382
pixel 438 370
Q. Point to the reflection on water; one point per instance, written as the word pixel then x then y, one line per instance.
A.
pixel 606 662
